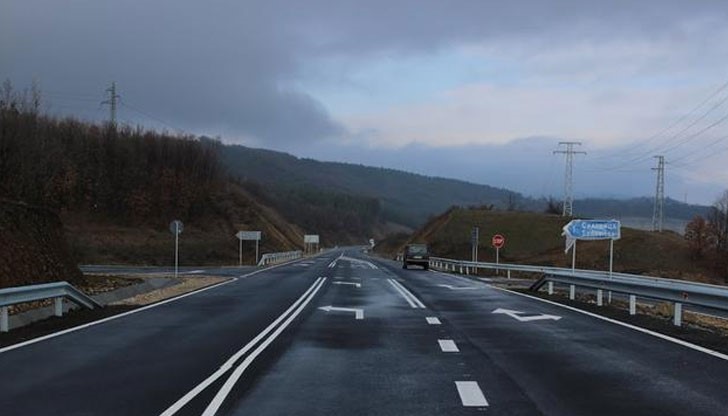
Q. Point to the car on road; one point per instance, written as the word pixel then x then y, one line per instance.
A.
pixel 416 254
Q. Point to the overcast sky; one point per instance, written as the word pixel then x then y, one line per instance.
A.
pixel 479 90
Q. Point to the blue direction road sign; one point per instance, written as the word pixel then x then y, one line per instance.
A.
pixel 593 230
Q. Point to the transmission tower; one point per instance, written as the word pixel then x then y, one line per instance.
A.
pixel 569 176
pixel 112 102
pixel 658 213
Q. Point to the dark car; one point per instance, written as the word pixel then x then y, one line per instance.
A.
pixel 416 254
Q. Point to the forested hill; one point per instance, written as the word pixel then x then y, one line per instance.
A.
pixel 405 198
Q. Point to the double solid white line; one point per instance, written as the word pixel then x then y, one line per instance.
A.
pixel 407 295
pixel 274 329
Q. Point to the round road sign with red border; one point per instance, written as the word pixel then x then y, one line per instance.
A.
pixel 498 241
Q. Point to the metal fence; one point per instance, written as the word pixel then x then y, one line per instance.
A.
pixel 678 292
pixel 275 258
pixel 56 291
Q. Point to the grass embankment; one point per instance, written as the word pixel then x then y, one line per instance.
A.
pixel 534 238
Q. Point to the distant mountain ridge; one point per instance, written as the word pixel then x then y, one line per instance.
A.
pixel 411 199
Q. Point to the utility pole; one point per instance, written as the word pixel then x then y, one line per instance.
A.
pixel 112 102
pixel 568 209
pixel 659 211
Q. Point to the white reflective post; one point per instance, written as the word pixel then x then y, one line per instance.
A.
pixel 240 252
pixel 551 288
pixel 58 306
pixel 678 314
pixel 632 304
pixel 573 258
pixel 572 292
pixel 256 251
pixel 4 325
pixel 599 297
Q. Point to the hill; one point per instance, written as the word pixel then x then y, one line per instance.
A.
pixel 533 238
pixel 411 199
pixel 116 189
pixel 404 198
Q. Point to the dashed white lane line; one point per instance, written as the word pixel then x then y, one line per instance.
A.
pixel 470 394
pixel 448 345
pixel 433 320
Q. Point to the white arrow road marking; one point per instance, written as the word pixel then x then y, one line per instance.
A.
pixel 515 315
pixel 358 313
pixel 348 283
pixel 432 320
pixel 451 287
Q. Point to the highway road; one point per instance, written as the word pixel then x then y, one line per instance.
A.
pixel 344 333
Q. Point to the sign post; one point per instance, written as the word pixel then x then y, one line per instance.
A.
pixel 309 240
pixel 474 241
pixel 176 228
pixel 498 241
pixel 591 230
pixel 248 236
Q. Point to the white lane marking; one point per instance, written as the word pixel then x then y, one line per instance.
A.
pixel 179 404
pixel 624 324
pixel 470 394
pixel 451 287
pixel 357 262
pixel 194 272
pixel 348 283
pixel 358 313
pixel 516 315
pixel 433 320
pixel 448 345
pixel 224 391
pixel 332 264
pixel 407 295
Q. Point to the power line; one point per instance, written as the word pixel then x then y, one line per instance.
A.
pixel 568 208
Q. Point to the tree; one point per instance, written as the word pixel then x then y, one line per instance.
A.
pixel 698 233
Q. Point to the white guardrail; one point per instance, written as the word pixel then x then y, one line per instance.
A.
pixel 275 258
pixel 678 292
pixel 56 291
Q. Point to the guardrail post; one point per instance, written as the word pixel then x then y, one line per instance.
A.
pixel 4 326
pixel 632 304
pixel 467 270
pixel 599 297
pixel 677 321
pixel 551 288
pixel 461 269
pixel 572 292
pixel 58 306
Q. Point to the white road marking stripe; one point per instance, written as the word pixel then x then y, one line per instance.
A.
pixel 448 345
pixel 626 325
pixel 433 320
pixel 194 272
pixel 470 394
pixel 224 391
pixel 412 304
pixel 179 404
pixel 408 293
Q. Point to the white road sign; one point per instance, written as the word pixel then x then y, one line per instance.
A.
pixel 248 235
pixel 311 239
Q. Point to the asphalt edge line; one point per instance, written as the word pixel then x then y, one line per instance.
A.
pixel 133 311
pixel 228 364
pixel 624 324
pixel 229 384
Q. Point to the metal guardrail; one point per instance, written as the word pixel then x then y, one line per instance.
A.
pixel 678 292
pixel 56 291
pixel 274 258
